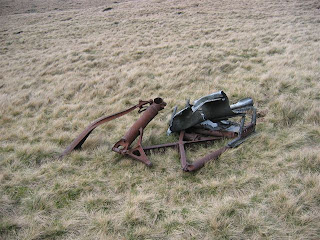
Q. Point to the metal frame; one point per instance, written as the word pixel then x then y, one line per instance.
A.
pixel 191 135
pixel 201 135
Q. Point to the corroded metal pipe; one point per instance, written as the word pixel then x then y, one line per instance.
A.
pixel 201 162
pixel 157 105
pixel 122 146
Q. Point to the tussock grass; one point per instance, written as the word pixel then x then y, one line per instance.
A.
pixel 64 64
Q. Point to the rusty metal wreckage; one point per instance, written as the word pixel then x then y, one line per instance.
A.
pixel 205 121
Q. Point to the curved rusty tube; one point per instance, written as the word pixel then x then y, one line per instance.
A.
pixel 157 105
pixel 122 146
pixel 200 162
pixel 77 143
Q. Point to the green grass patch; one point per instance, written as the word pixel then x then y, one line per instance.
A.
pixel 63 197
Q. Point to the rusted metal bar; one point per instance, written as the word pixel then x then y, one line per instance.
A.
pixel 122 146
pixel 195 137
pixel 199 163
pixel 226 134
pixel 202 161
pixel 198 139
pixel 165 145
pixel 77 143
pixel 182 151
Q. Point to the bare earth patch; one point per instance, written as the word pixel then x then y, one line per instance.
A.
pixel 63 64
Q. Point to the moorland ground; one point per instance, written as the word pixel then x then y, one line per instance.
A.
pixel 63 64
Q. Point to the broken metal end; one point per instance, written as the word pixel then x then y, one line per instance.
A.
pixel 117 150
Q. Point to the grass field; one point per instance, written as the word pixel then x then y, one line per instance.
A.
pixel 64 64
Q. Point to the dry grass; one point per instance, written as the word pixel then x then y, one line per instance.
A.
pixel 64 64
